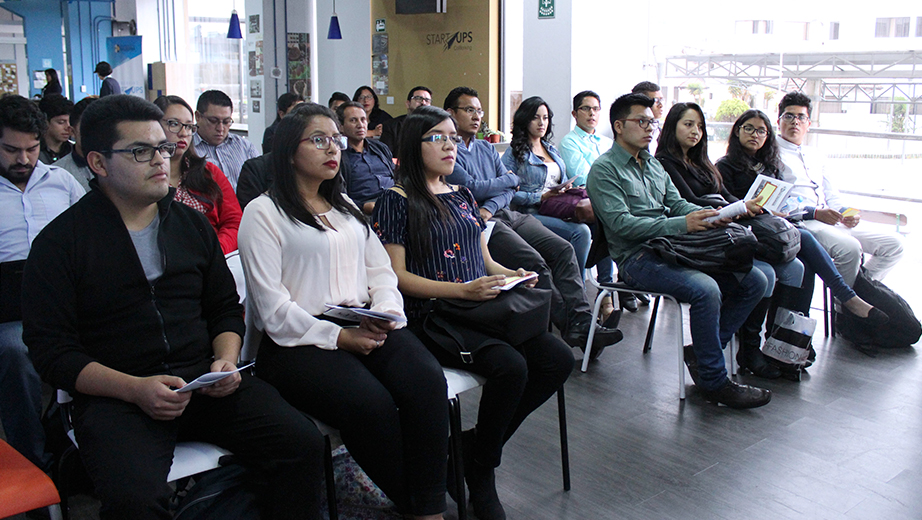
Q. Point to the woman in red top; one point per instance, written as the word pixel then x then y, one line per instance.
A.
pixel 199 184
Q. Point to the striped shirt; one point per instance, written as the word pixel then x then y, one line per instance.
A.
pixel 456 255
pixel 229 156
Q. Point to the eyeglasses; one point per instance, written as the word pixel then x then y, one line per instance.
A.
pixel 645 124
pixel 175 126
pixel 144 154
pixel 589 110
pixel 751 130
pixel 215 121
pixel 442 138
pixel 658 100
pixel 471 110
pixel 789 117
pixel 366 97
pixel 420 99
pixel 323 142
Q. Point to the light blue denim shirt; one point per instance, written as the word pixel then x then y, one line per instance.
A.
pixel 580 149
pixel 532 174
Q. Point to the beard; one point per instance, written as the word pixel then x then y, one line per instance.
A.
pixel 18 173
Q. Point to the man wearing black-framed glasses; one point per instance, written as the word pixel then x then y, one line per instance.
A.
pixel 127 298
pixel 417 97
pixel 635 200
pixel 652 91
pixel 214 140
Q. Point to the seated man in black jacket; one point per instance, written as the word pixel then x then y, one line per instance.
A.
pixel 367 164
pixel 126 298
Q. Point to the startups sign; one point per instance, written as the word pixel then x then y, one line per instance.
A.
pixel 452 41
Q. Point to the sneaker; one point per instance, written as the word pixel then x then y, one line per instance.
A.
pixel 735 395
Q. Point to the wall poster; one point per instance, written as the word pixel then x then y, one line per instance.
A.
pixel 299 64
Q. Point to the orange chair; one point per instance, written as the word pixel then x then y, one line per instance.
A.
pixel 24 487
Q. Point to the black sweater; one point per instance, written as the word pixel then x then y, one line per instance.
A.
pixel 86 298
pixel 695 186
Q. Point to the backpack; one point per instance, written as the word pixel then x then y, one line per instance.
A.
pixel 225 493
pixel 713 251
pixel 901 331
pixel 779 240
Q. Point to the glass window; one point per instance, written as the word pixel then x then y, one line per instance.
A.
pixel 902 27
pixel 834 31
pixel 882 28
pixel 218 62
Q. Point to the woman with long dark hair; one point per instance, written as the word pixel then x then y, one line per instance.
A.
pixel 682 150
pixel 433 233
pixel 541 171
pixel 366 96
pixel 199 184
pixel 52 83
pixel 752 150
pixel 305 247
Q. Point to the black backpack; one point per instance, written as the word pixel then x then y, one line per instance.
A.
pixel 779 240
pixel 226 493
pixel 901 331
pixel 714 251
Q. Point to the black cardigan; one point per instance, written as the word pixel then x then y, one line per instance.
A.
pixel 692 185
pixel 86 298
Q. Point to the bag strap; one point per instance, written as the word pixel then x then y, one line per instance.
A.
pixel 398 189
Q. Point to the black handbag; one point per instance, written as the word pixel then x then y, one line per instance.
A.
pixel 716 251
pixel 465 326
pixel 779 240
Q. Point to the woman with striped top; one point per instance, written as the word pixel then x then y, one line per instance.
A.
pixel 432 232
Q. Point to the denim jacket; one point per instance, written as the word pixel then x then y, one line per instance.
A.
pixel 532 175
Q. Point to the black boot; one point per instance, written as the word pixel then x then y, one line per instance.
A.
pixel 750 356
pixel 481 482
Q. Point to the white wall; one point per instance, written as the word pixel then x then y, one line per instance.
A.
pixel 343 65
pixel 547 70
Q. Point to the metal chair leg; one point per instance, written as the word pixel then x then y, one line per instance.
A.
pixel 454 441
pixel 564 445
pixel 648 342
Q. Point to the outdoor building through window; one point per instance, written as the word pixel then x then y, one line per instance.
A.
pixel 218 62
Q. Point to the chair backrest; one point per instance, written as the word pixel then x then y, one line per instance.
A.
pixel 253 335
pixel 599 248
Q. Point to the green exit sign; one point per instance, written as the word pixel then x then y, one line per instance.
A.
pixel 546 9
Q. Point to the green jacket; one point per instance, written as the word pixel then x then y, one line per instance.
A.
pixel 634 202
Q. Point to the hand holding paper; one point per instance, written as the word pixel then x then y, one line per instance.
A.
pixel 210 378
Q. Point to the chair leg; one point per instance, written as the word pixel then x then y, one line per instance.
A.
pixel 825 311
pixel 648 342
pixel 832 311
pixel 680 339
pixel 454 441
pixel 564 445
pixel 54 512
pixel 332 508
pixel 595 312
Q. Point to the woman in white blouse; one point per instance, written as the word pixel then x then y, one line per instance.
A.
pixel 306 246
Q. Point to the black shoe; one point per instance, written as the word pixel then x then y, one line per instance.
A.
pixel 750 358
pixel 481 482
pixel 735 395
pixel 691 361
pixel 875 318
pixel 642 299
pixel 604 337
pixel 627 301
pixel 613 320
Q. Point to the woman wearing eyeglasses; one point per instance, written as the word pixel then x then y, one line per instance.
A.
pixel 682 150
pixel 433 233
pixel 199 184
pixel 376 117
pixel 542 171
pixel 305 246
pixel 753 150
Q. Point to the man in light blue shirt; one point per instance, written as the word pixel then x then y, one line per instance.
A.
pixel 213 140
pixel 583 145
pixel 31 195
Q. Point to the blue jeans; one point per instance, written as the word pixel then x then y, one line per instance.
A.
pixel 787 273
pixel 20 396
pixel 818 261
pixel 578 235
pixel 714 316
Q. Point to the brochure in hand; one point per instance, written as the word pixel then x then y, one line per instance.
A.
pixel 773 192
pixel 356 314
pixel 210 378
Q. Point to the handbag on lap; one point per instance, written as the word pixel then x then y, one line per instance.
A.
pixel 513 317
pixel 572 205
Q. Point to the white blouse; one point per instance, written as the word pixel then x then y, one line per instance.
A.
pixel 293 270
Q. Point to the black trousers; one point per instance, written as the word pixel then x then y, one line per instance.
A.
pixel 519 380
pixel 389 406
pixel 521 240
pixel 127 454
